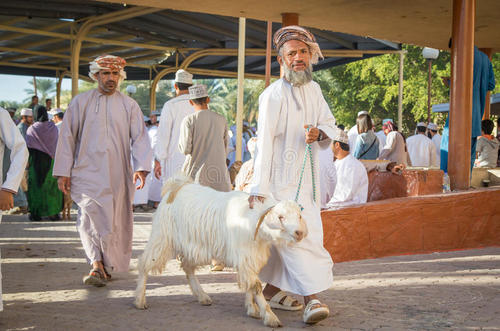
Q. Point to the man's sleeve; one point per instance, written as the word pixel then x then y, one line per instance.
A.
pixel 434 162
pixel 269 110
pixel 68 133
pixel 142 153
pixel 326 122
pixel 491 81
pixel 164 132
pixel 18 152
pixel 186 137
pixel 389 145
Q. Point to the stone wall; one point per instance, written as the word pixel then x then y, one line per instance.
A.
pixel 414 225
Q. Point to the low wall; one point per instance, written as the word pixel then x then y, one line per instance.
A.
pixel 413 225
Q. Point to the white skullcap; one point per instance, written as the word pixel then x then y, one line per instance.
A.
pixel 184 77
pixel 26 112
pixel 422 124
pixel 432 126
pixel 156 113
pixel 341 136
pixel 198 91
pixel 363 112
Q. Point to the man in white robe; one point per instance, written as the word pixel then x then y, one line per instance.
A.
pixel 168 158
pixel 154 192
pixel 103 129
pixel 10 138
pixel 436 139
pixel 352 179
pixel 286 108
pixel 421 149
pixel 328 175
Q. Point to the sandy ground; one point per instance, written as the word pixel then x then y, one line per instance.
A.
pixel 43 264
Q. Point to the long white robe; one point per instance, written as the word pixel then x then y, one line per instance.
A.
pixel 436 139
pixel 328 175
pixel 99 136
pixel 352 183
pixel 381 139
pixel 352 135
pixel 304 268
pixel 154 191
pixel 11 138
pixel 422 151
pixel 394 149
pixel 166 149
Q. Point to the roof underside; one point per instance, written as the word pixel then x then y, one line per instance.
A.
pixel 417 22
pixel 26 48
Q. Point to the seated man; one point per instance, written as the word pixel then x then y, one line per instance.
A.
pixel 487 146
pixel 352 180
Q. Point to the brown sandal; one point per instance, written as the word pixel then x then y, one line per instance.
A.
pixel 95 277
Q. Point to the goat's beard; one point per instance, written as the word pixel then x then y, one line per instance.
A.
pixel 298 78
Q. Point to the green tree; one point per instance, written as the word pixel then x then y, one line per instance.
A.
pixel 44 89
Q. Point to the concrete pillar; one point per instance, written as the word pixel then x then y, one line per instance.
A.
pixel 289 19
pixel 462 62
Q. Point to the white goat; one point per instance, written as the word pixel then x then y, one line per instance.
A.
pixel 198 224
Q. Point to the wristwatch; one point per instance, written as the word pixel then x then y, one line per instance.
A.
pixel 320 136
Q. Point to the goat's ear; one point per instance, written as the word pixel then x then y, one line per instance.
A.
pixel 273 220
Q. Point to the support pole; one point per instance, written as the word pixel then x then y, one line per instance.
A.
pixel 60 76
pixel 241 87
pixel 462 61
pixel 289 19
pixel 400 94
pixel 487 103
pixel 34 85
pixel 429 87
pixel 268 53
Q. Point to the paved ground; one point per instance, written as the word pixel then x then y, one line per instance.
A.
pixel 42 265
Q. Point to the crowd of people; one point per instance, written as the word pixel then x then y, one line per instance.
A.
pixel 112 160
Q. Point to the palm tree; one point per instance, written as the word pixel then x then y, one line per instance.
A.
pixel 44 89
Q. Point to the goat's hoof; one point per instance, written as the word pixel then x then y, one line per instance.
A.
pixel 205 300
pixel 272 321
pixel 253 311
pixel 141 305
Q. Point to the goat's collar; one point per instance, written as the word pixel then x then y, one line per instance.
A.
pixel 261 219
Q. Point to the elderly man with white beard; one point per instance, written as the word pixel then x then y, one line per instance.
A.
pixel 292 114
pixel 102 130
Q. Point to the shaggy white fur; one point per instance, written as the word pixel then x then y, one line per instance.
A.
pixel 200 224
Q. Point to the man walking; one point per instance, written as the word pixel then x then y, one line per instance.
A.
pixel 204 140
pixel 421 149
pixel 10 138
pixel 286 108
pixel 102 131
pixel 168 158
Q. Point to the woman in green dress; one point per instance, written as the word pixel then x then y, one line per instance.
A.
pixel 44 198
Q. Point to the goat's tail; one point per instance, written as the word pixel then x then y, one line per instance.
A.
pixel 173 185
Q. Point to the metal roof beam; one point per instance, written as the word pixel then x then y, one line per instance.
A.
pixel 88 39
pixel 159 19
pixel 146 35
pixel 194 22
pixel 333 38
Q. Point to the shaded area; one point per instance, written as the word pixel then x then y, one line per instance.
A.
pixel 162 39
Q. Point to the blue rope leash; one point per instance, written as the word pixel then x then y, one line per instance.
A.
pixel 307 154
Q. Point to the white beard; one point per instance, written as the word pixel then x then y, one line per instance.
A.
pixel 298 78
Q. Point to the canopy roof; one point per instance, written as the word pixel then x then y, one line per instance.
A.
pixel 36 38
pixel 417 22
